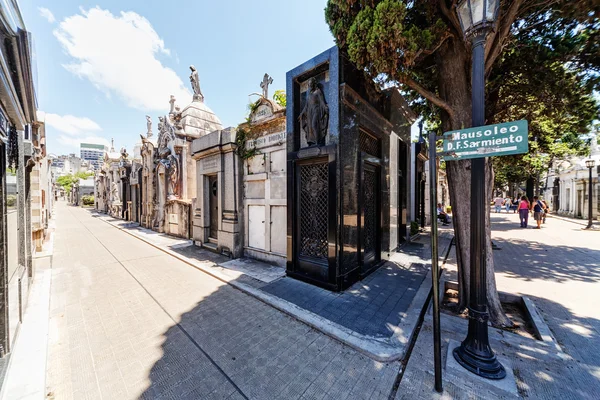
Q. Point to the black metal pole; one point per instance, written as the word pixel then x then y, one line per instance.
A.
pixel 435 274
pixel 590 223
pixel 475 353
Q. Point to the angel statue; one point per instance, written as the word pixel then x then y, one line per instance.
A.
pixel 149 126
pixel 195 80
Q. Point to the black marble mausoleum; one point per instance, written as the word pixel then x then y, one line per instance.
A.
pixel 347 161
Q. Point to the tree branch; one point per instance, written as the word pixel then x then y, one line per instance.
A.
pixel 500 36
pixel 451 15
pixel 432 97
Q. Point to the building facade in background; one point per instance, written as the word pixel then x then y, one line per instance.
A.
pixel 93 154
pixel 568 185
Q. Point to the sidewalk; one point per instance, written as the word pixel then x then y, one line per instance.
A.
pixel 376 316
pixel 129 321
pixel 26 374
pixel 557 267
pixel 582 222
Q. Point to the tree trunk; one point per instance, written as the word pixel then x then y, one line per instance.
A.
pixel 453 64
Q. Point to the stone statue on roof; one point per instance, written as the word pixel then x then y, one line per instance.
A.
pixel 195 80
pixel 149 126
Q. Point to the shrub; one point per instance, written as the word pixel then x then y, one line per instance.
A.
pixel 414 228
pixel 87 200
pixel 11 200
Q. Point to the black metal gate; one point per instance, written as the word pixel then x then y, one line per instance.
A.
pixel 213 187
pixel 370 216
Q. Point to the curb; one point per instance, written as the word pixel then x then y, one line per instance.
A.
pixel 382 350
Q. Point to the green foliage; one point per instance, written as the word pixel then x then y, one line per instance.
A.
pixel 252 107
pixel 84 175
pixel 11 200
pixel 67 181
pixel 87 200
pixel 546 72
pixel 414 228
pixel 241 140
pixel 280 98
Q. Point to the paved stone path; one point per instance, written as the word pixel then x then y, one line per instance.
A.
pixel 374 306
pixel 558 267
pixel 129 321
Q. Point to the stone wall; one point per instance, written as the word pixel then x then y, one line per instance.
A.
pixel 177 218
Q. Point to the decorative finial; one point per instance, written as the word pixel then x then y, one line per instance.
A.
pixel 267 80
pixel 195 81
pixel 112 145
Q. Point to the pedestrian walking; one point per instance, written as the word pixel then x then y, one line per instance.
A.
pixel 515 205
pixel 546 211
pixel 498 203
pixel 538 211
pixel 524 207
pixel 507 204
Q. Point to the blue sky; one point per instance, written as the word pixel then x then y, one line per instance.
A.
pixel 103 65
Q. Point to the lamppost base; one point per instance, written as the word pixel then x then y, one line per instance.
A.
pixel 485 366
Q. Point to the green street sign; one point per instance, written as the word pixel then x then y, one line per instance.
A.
pixel 486 141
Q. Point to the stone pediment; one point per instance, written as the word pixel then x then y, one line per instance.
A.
pixel 264 111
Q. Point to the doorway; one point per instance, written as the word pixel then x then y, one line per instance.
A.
pixel 579 203
pixel 213 206
pixel 403 155
pixel 370 217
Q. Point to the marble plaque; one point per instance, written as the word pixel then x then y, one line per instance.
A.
pixel 263 111
pixel 210 164
pixel 256 227
pixel 269 140
pixel 278 161
pixel 278 229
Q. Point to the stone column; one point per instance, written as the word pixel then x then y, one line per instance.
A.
pixel 23 229
pixel 28 219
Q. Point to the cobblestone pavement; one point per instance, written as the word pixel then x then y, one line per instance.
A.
pixel 129 321
pixel 558 267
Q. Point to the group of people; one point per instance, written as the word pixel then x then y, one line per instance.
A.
pixel 524 207
pixel 538 207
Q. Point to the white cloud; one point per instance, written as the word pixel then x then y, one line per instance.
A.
pixel 118 54
pixel 71 125
pixel 44 12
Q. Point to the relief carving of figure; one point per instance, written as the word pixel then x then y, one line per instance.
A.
pixel 195 80
pixel 314 118
pixel 168 158
pixel 114 192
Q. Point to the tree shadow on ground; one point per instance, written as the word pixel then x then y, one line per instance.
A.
pixel 530 260
pixel 541 371
pixel 232 346
pixel 571 376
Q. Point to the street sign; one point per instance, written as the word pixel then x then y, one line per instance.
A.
pixel 486 141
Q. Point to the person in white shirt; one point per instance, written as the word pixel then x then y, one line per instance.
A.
pixel 498 203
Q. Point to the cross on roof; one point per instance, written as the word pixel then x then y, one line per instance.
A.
pixel 267 80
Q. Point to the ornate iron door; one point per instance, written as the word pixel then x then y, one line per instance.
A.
pixel 313 211
pixel 214 206
pixel 370 216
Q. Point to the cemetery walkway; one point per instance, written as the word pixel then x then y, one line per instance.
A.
pixel 129 321
pixel 558 269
